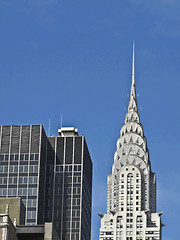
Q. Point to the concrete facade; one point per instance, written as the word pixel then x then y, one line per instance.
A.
pixel 16 209
pixel 7 229
pixel 11 231
pixel 37 232
pixel 131 187
pixel 50 232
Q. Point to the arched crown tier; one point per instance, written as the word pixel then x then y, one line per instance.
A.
pixel 132 145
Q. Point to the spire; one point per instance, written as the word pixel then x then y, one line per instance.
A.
pixel 132 100
pixel 133 81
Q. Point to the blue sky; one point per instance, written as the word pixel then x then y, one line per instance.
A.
pixel 74 58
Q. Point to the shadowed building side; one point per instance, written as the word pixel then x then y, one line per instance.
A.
pixel 69 181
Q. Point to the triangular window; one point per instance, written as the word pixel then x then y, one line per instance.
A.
pixel 130 150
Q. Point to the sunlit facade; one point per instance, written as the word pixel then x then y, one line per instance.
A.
pixel 131 187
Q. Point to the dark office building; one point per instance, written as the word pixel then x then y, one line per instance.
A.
pixel 22 168
pixel 53 176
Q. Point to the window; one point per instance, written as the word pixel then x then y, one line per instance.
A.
pixel 32 191
pixel 31 214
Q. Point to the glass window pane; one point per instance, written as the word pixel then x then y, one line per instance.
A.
pixel 25 168
pixel 30 191
pixel 36 169
pixel 20 191
pixel 21 169
pixel 15 169
pixel 11 169
pixel 33 214
pixel 24 191
pixel 28 214
pixel 35 179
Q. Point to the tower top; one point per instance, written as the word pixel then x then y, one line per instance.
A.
pixel 133 78
pixel 132 101
pixel 68 131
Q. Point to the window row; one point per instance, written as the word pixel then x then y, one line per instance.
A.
pixel 76 190
pixel 64 168
pixel 75 213
pixel 75 202
pixel 137 174
pixel 21 192
pixel 22 169
pixel 31 214
pixel 22 180
pixel 68 168
pixel 31 202
pixel 72 224
pixel 59 179
pixel 106 233
pixel 32 180
pixel 16 157
pixel 67 236
pixel 3 192
pixel 31 191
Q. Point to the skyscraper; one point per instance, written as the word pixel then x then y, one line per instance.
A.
pixel 22 167
pixel 131 187
pixel 69 185
pixel 53 176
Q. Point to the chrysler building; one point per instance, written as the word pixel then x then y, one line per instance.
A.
pixel 131 187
